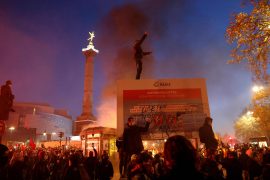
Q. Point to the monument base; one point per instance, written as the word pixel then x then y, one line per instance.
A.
pixel 83 122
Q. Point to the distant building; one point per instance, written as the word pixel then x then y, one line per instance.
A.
pixel 44 119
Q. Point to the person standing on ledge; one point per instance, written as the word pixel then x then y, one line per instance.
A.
pixel 207 136
pixel 132 140
pixel 6 100
pixel 139 53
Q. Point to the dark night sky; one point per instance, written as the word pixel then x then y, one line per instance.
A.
pixel 41 42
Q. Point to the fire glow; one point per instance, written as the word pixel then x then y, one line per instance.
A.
pixel 107 113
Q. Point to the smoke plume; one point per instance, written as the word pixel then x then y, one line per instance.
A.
pixel 117 34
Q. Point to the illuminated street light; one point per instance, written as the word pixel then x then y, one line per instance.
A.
pixel 44 134
pixel 249 113
pixel 53 133
pixel 11 128
pixel 257 88
pixel 261 94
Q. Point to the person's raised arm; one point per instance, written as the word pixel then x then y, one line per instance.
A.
pixel 146 127
pixel 142 39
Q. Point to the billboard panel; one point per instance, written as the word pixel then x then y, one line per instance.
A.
pixel 173 105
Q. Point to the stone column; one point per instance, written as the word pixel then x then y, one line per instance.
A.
pixel 87 118
pixel 87 107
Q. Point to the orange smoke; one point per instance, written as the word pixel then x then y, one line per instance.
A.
pixel 106 113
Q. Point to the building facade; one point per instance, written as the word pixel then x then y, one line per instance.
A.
pixel 45 120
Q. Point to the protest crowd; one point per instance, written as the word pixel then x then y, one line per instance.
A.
pixel 180 160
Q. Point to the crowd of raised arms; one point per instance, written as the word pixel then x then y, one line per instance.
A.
pixel 180 160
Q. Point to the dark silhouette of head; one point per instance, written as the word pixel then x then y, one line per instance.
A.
pixel 208 120
pixel 131 121
pixel 105 156
pixel 179 154
pixel 8 82
pixel 91 154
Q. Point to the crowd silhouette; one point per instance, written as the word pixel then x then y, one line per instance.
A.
pixel 179 160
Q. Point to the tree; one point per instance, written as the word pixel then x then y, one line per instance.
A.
pixel 250 32
pixel 261 109
pixel 262 113
pixel 247 126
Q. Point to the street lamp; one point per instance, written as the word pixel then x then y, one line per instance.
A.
pixel 259 93
pixel 257 89
pixel 45 135
pixel 249 113
pixel 11 128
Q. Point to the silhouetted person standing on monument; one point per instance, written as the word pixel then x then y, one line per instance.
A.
pixel 139 53
pixel 6 100
pixel 207 136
